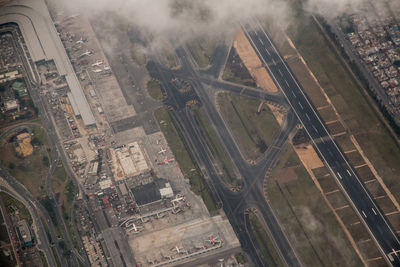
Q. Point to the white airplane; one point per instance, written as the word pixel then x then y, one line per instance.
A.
pixel 178 198
pixel 162 150
pixel 97 70
pixel 107 68
pixel 179 250
pixel 87 53
pixel 98 63
pixel 80 41
pixel 134 228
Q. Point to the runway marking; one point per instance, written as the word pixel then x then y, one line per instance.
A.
pixel 267 52
pixel 323 107
pixel 280 72
pixel 374 211
pixel 331 192
pixel 364 241
pixel 350 151
pixel 315 128
pixel 261 41
pixel 365 215
pixel 391 213
pixel 370 181
pixel 308 117
pixel 343 207
pixel 356 223
pixel 339 174
pixel 339 134
pixel 348 172
pixel 329 122
pixel 301 106
pixel 289 86
pixel 380 197
pixel 359 166
pixel 374 259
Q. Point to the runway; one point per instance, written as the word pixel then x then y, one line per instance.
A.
pixel 333 157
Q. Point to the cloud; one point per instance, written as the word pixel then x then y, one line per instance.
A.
pixel 177 21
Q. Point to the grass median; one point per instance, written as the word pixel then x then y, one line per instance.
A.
pixel 264 242
pixel 215 146
pixel 186 162
pixel 253 130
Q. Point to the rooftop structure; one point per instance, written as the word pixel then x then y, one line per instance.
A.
pixel 24 233
pixel 128 161
pixel 44 44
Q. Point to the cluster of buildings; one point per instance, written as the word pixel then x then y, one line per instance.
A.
pixel 377 42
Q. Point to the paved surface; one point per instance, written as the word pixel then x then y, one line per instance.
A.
pixel 348 180
pixel 251 195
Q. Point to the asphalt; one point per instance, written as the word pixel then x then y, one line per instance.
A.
pixel 251 194
pixel 346 177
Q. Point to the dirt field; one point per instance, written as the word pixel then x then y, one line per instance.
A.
pixel 253 63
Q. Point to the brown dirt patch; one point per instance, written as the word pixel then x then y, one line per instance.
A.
pixel 345 143
pixel 368 249
pixel 365 173
pixel 336 128
pixel 327 114
pixel 348 216
pixel 385 204
pixel 308 156
pixel 253 63
pixel 358 231
pixel 394 219
pixel 321 171
pixel 327 183
pixel 355 158
pixel 375 188
pixel 337 200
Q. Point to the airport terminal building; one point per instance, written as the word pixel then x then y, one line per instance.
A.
pixel 44 44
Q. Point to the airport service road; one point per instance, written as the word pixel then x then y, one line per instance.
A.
pixel 348 180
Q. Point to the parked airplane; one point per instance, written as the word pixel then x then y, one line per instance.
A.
pixel 166 161
pixel 81 41
pixel 87 53
pixel 97 70
pixel 162 151
pixel 213 240
pixel 178 198
pixel 98 63
pixel 107 68
pixel 179 250
pixel 134 228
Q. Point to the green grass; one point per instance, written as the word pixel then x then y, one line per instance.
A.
pixel 215 146
pixel 345 95
pixel 23 212
pixel 311 227
pixel 64 192
pixel 32 170
pixel 240 258
pixel 229 76
pixel 43 258
pixel 202 50
pixel 183 157
pixel 154 89
pixel 253 131
pixel 264 242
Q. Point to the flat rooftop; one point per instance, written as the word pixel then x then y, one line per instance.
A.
pixel 44 44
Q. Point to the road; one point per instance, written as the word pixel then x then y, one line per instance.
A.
pixel 251 194
pixel 333 157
